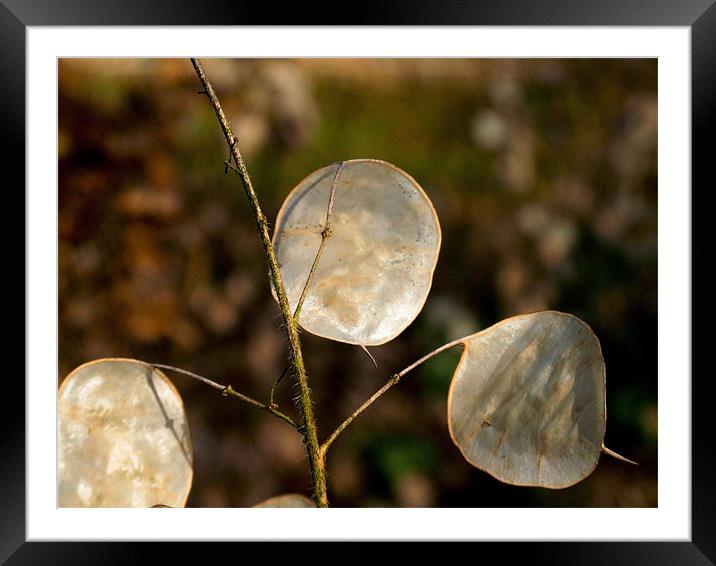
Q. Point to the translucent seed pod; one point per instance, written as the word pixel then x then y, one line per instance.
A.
pixel 123 438
pixel 288 500
pixel 527 400
pixel 377 267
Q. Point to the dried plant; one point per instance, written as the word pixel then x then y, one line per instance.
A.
pixel 351 260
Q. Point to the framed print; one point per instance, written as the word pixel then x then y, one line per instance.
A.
pixel 515 185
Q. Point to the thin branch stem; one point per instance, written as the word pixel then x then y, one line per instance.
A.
pixel 275 383
pixel 325 234
pixel 310 432
pixel 394 379
pixel 327 444
pixel 228 390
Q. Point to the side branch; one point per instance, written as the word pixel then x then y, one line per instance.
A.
pixel 392 381
pixel 309 429
pixel 327 233
pixel 228 390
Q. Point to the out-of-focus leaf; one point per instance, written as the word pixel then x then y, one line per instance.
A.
pixel 123 437
pixel 527 401
pixel 377 267
pixel 288 500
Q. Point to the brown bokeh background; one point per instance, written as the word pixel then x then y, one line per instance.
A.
pixel 543 174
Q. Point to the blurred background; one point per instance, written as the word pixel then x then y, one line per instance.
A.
pixel 544 177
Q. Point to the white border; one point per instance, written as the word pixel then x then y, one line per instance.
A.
pixel 671 521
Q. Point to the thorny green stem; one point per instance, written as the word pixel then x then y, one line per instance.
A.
pixel 394 379
pixel 228 390
pixel 325 234
pixel 309 430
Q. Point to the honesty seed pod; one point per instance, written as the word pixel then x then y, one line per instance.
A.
pixel 376 271
pixel 123 437
pixel 527 400
pixel 288 500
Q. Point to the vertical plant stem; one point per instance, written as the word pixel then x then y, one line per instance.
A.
pixel 310 433
pixel 325 234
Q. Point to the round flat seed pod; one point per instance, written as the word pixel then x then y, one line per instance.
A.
pixel 527 400
pixel 288 500
pixel 377 266
pixel 123 438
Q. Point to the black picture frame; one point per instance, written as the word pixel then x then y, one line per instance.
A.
pixel 698 15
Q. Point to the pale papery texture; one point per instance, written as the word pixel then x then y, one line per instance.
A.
pixel 527 401
pixel 123 438
pixel 377 267
pixel 288 500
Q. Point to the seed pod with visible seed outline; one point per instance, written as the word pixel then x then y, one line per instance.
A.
pixel 377 267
